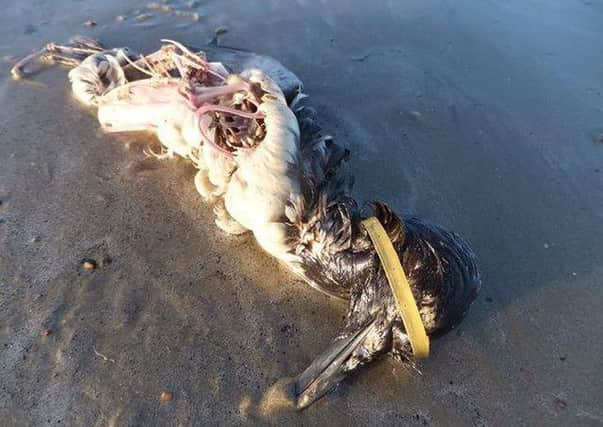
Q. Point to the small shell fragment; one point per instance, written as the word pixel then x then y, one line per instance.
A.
pixel 166 396
pixel 89 265
pixel 190 15
pixel 159 7
pixel 143 17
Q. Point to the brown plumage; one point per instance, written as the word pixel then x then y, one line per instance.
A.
pixel 336 256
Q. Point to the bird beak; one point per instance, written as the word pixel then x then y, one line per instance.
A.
pixel 328 369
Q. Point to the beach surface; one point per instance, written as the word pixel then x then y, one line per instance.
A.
pixel 485 117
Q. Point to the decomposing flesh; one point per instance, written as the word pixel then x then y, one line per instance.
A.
pixel 270 170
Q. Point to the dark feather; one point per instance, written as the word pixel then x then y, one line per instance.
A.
pixel 338 257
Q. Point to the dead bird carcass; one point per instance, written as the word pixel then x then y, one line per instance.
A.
pixel 270 170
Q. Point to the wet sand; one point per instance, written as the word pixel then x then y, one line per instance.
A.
pixel 485 118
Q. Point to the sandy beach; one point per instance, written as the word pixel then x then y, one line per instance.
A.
pixel 486 118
